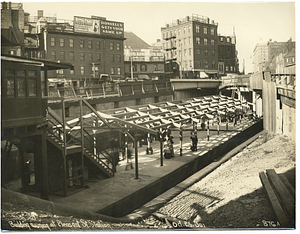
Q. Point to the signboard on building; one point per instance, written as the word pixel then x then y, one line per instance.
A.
pixel 86 25
pixel 111 28
pixel 98 26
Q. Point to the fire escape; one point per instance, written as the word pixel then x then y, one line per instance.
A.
pixel 171 65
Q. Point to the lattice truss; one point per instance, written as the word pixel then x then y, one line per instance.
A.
pixel 151 118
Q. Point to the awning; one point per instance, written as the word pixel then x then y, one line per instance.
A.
pixel 203 75
pixel 50 65
pixel 55 80
pixel 144 77
pixel 211 72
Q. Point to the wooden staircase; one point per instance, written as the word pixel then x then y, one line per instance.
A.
pixel 102 160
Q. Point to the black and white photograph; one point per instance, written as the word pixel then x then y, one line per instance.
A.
pixel 148 116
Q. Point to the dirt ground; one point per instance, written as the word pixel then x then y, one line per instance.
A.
pixel 231 196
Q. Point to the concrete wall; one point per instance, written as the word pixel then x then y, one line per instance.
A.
pixel 289 121
pixel 168 98
pixel 193 93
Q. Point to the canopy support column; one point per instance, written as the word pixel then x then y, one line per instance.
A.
pixel 181 139
pixel 136 156
pixel 161 148
pixel 149 148
pixel 207 130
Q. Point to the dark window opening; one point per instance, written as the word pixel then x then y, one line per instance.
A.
pixel 116 104
pixel 67 111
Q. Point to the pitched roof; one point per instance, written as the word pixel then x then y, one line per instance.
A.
pixel 7 42
pixel 291 53
pixel 134 41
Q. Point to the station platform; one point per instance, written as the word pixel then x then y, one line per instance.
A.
pixel 121 194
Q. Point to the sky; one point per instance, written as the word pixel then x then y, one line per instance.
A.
pixel 253 21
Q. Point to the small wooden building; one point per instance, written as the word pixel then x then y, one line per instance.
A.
pixel 23 113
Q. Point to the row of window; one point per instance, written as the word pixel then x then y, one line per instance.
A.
pixel 91 56
pixel 187 65
pixel 143 67
pixel 200 64
pixel 290 60
pixel 188 52
pixel 95 70
pixel 186 41
pixel 82 43
pixel 20 83
pixel 184 30
pixel 228 39
pixel 226 48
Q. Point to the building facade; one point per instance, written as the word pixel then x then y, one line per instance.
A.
pixel 265 54
pixel 143 61
pixel 192 46
pixel 260 57
pixel 227 54
pixel 94 45
pixel 12 27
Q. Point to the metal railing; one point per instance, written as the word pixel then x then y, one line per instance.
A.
pixel 236 81
pixel 284 79
pixel 111 89
pixel 70 136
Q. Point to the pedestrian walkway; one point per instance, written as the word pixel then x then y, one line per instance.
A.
pixel 103 193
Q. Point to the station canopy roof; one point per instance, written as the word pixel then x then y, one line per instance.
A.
pixel 51 65
pixel 152 117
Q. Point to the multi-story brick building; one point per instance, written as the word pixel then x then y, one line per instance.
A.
pixel 193 44
pixel 227 54
pixel 263 54
pixel 12 27
pixel 93 45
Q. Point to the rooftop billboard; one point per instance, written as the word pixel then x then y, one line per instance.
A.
pixel 98 26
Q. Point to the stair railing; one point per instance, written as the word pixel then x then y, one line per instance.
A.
pixel 106 159
pixel 56 130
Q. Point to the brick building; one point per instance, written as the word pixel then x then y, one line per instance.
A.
pixel 12 27
pixel 227 54
pixel 192 46
pixel 263 54
pixel 93 45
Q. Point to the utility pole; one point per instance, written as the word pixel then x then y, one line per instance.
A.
pixel 180 54
pixel 131 70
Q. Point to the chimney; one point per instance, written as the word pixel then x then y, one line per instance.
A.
pixel 4 5
pixel 26 17
pixel 157 40
pixel 187 18
pixel 177 21
pixel 40 13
